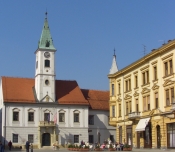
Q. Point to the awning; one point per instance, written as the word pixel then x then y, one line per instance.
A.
pixel 142 124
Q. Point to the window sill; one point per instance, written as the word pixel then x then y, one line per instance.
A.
pixel 129 91
pixel 155 81
pixel 167 106
pixel 147 84
pixel 62 123
pixel 146 111
pixel 31 122
pixel 136 88
pixel 168 76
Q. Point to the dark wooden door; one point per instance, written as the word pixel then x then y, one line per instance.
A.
pixel 147 137
pixel 138 139
pixel 46 139
pixel 158 137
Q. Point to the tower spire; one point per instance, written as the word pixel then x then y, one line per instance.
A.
pixel 114 68
pixel 46 41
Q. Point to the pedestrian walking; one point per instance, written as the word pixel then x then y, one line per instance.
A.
pixel 31 147
pixel 10 145
pixel 27 146
pixel 1 147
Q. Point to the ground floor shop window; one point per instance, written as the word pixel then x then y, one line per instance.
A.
pixel 171 135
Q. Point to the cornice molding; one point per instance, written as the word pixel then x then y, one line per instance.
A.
pixel 127 97
pixel 155 87
pixel 136 94
pixel 143 60
pixel 168 82
pixel 167 56
pixel 145 90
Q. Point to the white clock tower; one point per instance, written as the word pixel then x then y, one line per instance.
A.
pixel 45 67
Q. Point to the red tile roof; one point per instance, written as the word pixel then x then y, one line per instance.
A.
pixel 20 90
pixel 98 100
pixel 68 92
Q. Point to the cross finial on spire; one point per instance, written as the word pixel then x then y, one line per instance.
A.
pixel 114 53
pixel 46 13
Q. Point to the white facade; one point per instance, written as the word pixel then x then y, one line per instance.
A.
pixel 101 130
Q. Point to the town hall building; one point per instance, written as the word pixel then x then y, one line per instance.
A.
pixel 44 110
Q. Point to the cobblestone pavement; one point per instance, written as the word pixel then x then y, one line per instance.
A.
pixel 66 150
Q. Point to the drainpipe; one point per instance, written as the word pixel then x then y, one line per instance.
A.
pixel 4 125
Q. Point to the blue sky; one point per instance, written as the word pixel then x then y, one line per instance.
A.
pixel 85 33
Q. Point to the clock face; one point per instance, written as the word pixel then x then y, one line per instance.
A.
pixel 47 54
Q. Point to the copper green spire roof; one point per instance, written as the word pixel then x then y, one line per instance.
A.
pixel 46 41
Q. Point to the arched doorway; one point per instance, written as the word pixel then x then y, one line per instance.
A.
pixel 46 139
pixel 158 136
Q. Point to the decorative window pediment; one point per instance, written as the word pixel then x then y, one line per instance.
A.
pixel 61 111
pixel 145 90
pixel 119 100
pixel 76 111
pixel 136 94
pixel 127 97
pixel 31 110
pixel 47 111
pixel 168 82
pixel 16 109
pixel 155 87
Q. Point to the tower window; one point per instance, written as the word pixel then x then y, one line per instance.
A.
pixel 47 82
pixel 47 63
pixel 47 43
pixel 36 64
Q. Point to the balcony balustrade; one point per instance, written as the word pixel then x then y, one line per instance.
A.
pixel 133 115
pixel 46 124
pixel 173 106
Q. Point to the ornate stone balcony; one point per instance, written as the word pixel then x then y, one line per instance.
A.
pixel 133 115
pixel 173 106
pixel 46 124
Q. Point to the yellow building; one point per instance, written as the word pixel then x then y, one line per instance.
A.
pixel 142 106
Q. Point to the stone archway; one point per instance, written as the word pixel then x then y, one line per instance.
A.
pixel 46 139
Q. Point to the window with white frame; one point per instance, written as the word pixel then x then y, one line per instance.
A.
pixel 15 138
pixel 30 116
pixel 31 138
pixel 61 117
pixel 76 116
pixel 16 114
pixel 76 138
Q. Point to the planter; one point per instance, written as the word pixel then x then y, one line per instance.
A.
pixel 98 149
pixel 112 149
pixel 127 149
